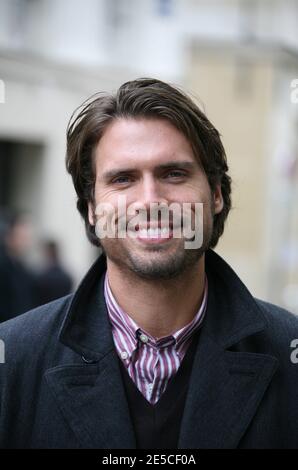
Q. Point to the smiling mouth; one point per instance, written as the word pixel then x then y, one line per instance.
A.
pixel 153 234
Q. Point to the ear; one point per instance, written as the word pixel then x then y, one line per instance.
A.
pixel 91 214
pixel 218 199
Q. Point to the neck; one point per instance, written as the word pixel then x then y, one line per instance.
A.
pixel 158 306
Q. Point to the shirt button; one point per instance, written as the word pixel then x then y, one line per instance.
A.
pixel 124 355
pixel 144 338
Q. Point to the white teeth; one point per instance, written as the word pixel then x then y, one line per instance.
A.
pixel 154 232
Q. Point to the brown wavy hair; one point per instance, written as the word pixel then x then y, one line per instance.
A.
pixel 144 97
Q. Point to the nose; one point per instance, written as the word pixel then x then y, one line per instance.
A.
pixel 150 191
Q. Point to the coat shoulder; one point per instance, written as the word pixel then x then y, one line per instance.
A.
pixel 282 324
pixel 22 334
pixel 278 314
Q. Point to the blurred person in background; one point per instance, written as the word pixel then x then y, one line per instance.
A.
pixel 17 282
pixel 161 346
pixel 53 281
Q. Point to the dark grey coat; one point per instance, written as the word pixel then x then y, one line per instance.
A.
pixel 61 387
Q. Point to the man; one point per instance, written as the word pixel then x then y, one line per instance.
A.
pixel 161 346
pixel 53 279
pixel 18 291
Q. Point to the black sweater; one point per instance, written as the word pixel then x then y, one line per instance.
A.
pixel 158 426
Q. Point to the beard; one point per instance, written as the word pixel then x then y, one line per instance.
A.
pixel 160 262
pixel 172 266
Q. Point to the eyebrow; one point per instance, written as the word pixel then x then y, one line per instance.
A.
pixel 164 166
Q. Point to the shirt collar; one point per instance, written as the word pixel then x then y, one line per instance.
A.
pixel 133 333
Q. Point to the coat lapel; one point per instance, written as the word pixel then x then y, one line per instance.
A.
pixel 224 392
pixel 92 400
pixel 228 381
pixel 91 395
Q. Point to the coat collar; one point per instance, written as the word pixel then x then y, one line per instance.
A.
pixel 86 327
pixel 235 313
pixel 226 384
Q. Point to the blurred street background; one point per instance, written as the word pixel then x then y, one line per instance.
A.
pixel 237 58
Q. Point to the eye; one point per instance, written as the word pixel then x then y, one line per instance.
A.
pixel 121 179
pixel 175 174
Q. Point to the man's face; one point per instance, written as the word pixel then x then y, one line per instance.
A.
pixel 19 238
pixel 150 161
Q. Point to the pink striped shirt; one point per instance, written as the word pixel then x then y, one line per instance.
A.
pixel 150 362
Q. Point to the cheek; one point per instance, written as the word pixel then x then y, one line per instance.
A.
pixel 194 195
pixel 103 195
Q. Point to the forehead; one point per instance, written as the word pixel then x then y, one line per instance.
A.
pixel 141 142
